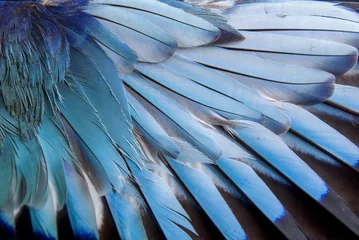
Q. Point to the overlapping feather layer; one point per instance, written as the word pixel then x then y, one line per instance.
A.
pixel 166 111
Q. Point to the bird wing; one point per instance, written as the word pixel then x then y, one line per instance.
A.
pixel 149 119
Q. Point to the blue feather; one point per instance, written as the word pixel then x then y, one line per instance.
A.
pixel 271 148
pixel 7 225
pixel 56 149
pixel 346 98
pixel 205 97
pixel 79 206
pixel 333 24
pixel 260 195
pixel 85 24
pixel 332 57
pixel 172 20
pixel 273 119
pixel 126 214
pixel 82 117
pixel 43 221
pixel 247 180
pixel 228 33
pixel 112 110
pixel 321 134
pixel 275 80
pixel 133 30
pixel 168 212
pixel 281 157
pixel 201 187
pixel 187 126
pixel 151 130
pixel 164 111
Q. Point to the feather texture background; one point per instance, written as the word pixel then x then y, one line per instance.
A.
pixel 149 119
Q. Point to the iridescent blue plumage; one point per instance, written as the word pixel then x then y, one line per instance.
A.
pixel 34 58
pixel 159 119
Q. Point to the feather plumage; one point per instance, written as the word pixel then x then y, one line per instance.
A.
pixel 332 57
pixel 163 118
pixel 250 183
pixel 276 81
pixel 80 207
pixel 333 142
pixel 190 128
pixel 172 20
pixel 125 212
pixel 200 186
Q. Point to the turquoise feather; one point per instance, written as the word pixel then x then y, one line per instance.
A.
pixel 150 119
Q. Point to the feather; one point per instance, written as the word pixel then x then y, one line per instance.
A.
pixel 300 145
pixel 291 22
pixel 260 195
pixel 314 8
pixel 81 116
pixel 151 130
pixel 31 168
pixel 207 77
pixel 104 78
pixel 115 95
pixel 301 25
pixel 111 109
pixel 169 213
pixel 345 97
pixel 133 30
pixel 294 169
pixel 328 56
pixel 44 220
pixel 126 214
pixel 280 157
pixel 232 149
pixel 331 111
pixel 80 207
pixel 7 225
pixel 228 33
pixel 348 38
pixel 188 89
pixel 66 3
pixel 8 174
pixel 164 112
pixel 349 5
pixel 56 149
pixel 201 186
pixel 84 23
pixel 34 58
pixel 172 20
pixel 89 162
pixel 189 127
pixel 350 77
pixel 190 154
pixel 276 81
pixel 321 134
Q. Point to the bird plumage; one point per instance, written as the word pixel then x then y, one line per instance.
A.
pixel 169 119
